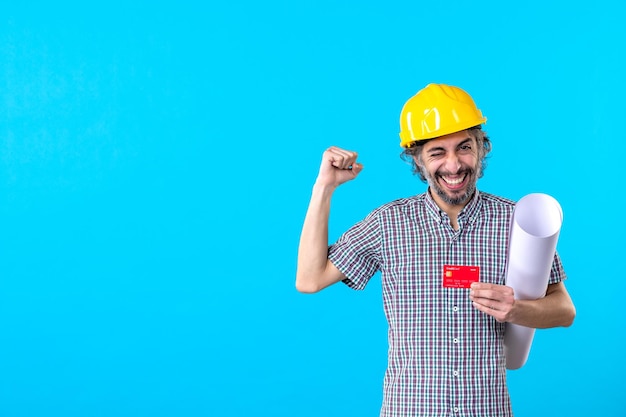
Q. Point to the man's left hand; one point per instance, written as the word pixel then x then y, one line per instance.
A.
pixel 496 300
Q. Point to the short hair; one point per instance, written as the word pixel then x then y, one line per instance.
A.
pixel 416 150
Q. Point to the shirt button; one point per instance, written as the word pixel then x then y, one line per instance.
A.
pixel 455 373
pixel 456 409
pixel 455 340
pixel 455 309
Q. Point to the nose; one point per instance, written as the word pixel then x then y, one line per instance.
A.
pixel 453 163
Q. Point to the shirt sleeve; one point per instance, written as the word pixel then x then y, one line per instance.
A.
pixel 557 273
pixel 357 252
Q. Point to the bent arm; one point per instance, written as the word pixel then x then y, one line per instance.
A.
pixel 554 310
pixel 315 272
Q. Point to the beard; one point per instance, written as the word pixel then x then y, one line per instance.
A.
pixel 457 198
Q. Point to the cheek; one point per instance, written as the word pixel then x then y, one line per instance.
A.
pixel 470 161
pixel 433 169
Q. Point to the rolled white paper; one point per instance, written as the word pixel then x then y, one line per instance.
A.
pixel 535 229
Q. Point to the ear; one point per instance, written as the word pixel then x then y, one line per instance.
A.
pixel 418 168
pixel 416 159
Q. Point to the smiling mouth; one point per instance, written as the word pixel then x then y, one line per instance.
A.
pixel 454 181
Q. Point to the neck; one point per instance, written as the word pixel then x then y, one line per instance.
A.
pixel 452 210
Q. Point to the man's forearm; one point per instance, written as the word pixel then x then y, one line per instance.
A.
pixel 313 248
pixel 554 310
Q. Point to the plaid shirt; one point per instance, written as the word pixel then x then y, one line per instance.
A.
pixel 446 358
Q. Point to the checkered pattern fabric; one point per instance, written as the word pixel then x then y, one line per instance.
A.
pixel 445 357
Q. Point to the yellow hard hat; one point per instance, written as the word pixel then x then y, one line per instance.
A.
pixel 437 110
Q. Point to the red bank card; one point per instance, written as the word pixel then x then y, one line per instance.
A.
pixel 460 276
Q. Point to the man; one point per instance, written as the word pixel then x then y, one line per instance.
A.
pixel 446 352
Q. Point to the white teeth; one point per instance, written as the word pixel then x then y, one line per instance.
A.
pixel 453 181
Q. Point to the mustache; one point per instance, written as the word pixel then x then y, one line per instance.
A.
pixel 464 171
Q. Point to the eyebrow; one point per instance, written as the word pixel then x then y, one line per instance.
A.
pixel 440 148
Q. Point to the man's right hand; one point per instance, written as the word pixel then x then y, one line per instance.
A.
pixel 338 166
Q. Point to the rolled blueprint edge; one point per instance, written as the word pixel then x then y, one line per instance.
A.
pixel 534 232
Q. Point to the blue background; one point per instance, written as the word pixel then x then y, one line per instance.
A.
pixel 156 161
